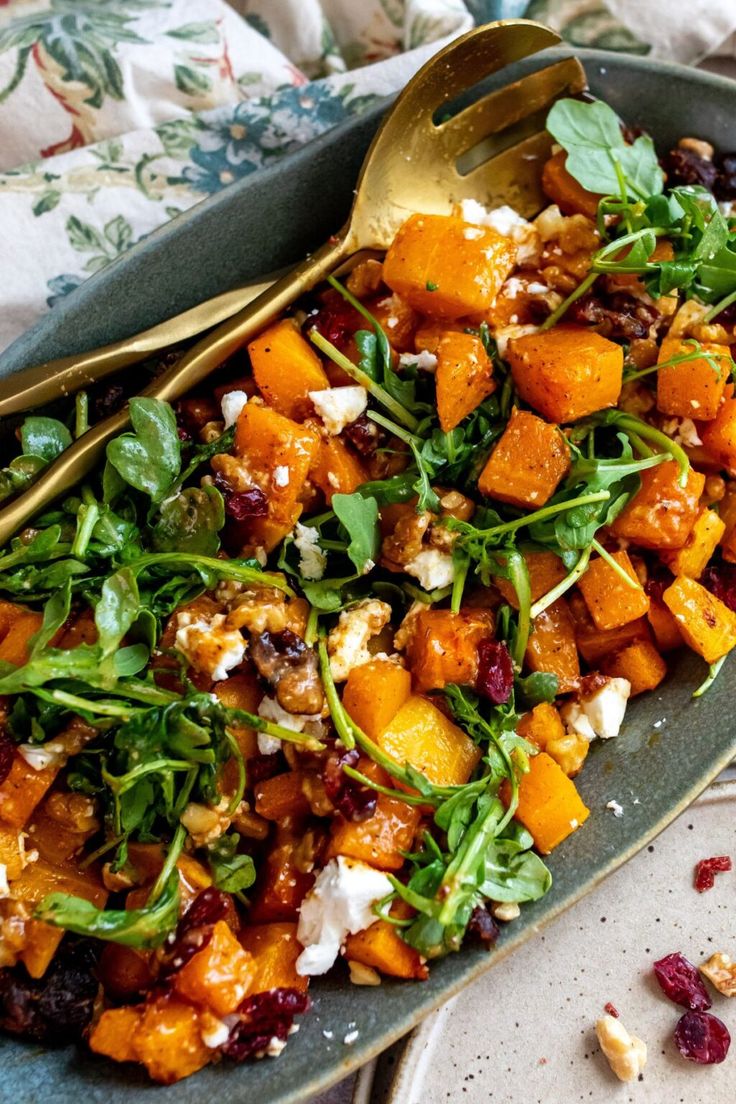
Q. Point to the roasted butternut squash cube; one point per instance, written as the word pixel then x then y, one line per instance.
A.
pixel 11 855
pixel 337 470
pixel 464 377
pixel 114 1033
pixel 124 972
pixel 21 791
pixel 666 631
pixel 550 806
pixel 286 368
pixel 398 320
pixel 703 539
pixel 552 646
pixel 567 372
pixel 611 601
pixel 708 626
pixel 423 736
pixel 15 642
pixel 719 435
pixel 446 268
pixel 564 190
pixel 381 838
pixel 727 514
pixel 527 463
pixel 594 643
pixel 274 949
pixel 692 388
pixel 282 796
pixel 219 975
pixel 381 947
pixel 168 1040
pixel 282 882
pixel 545 569
pixel 444 646
pixel 374 693
pixel 640 663
pixel 541 725
pixel 241 690
pixel 430 333
pixel 661 513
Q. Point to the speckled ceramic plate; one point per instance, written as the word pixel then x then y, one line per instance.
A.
pixel 672 747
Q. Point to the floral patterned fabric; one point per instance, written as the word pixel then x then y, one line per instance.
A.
pixel 117 115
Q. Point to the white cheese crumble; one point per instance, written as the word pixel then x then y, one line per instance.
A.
pixel 509 224
pixel 232 406
pixel 683 431
pixel 312 560
pixel 600 713
pixel 432 567
pixel 347 643
pixel 351 1037
pixel 616 809
pixel 281 475
pixel 41 756
pixel 424 360
pixel 340 903
pixel 339 406
pixel 270 710
pixel 209 646
pixel 328 1034
pixel 215 1033
pixel 4 887
pixel 268 745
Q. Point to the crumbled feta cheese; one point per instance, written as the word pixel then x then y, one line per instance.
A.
pixel 312 560
pixel 281 475
pixel 339 406
pixel 600 713
pixel 472 233
pixel 41 756
pixel 232 406
pixel 615 808
pixel 209 646
pixel 424 360
pixel 4 887
pixel 683 431
pixel 328 1034
pixel 535 288
pixel 339 904
pixel 270 710
pixel 350 1038
pixel 509 224
pixel 275 1046
pixel 347 643
pixel 504 334
pixel 214 1032
pixel 432 567
pixel 268 745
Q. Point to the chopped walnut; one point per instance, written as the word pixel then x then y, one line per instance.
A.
pixel 569 752
pixel 407 540
pixel 698 146
pixel 360 974
pixel 211 431
pixel 721 973
pixel 76 812
pixel 626 1054
pixel 405 631
pixel 205 823
pixel 506 911
pixel 116 880
pixel 259 609
pixel 366 278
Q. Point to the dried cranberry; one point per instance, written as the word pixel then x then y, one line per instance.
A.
pixel 702 1038
pixel 706 870
pixel 611 1009
pixel 365 436
pixel 658 580
pixel 109 400
pixel 495 679
pixel 720 579
pixel 684 166
pixel 725 187
pixel 350 797
pixel 242 505
pixel 264 1017
pixel 680 981
pixel 482 925
pixel 57 1007
pixel 336 319
pixel 7 754
pixel 194 930
pixel 261 767
pixel 208 907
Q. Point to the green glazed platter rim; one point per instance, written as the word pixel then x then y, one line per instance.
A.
pixel 671 748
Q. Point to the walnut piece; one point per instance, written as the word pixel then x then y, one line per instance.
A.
pixel 721 973
pixel 626 1054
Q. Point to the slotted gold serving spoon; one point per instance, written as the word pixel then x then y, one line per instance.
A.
pixel 419 160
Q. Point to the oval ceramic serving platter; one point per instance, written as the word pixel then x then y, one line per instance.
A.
pixel 672 746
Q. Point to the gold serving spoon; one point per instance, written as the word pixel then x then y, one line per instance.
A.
pixel 491 151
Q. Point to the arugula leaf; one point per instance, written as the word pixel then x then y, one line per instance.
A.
pixel 117 609
pixel 19 474
pixel 148 459
pixel 513 872
pixel 231 872
pixel 44 437
pixel 359 517
pixel 190 521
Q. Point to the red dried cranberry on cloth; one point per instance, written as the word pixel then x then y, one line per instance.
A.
pixel 702 1038
pixel 680 981
pixel 706 870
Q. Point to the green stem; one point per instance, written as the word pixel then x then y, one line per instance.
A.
pixel 392 427
pixel 380 394
pixel 519 574
pixel 81 413
pixel 458 583
pixel 564 306
pixel 120 784
pixel 310 633
pixel 624 575
pixel 564 585
pixel 399 795
pixel 229 569
pixel 721 305
pixel 337 710
pixel 537 515
pixel 630 423
pixel 87 516
pixel 713 672
pixel 172 856
pixel 102 709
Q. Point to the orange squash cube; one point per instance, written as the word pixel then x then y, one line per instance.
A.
pixel 666 631
pixel 640 663
pixel 398 320
pixel 719 435
pixel 374 693
pixel 703 539
pixel 282 796
pixel 545 569
pixel 168 1040
pixel 219 975
pixel 444 646
pixel 274 949
pixel 661 513
pixel 708 626
pixel 727 514
pixel 381 947
pixel 594 643
pixel 464 377
pixel 14 646
pixel 286 368
pixel 21 791
pixel 566 372
pixel 124 972
pixel 550 806
pixel 282 882
pixel 430 333
pixel 446 268
pixel 337 470
pixel 541 725
pixel 693 388
pixel 114 1033
pixel 564 190
pixel 381 838
pixel 241 690
pixel 552 646
pixel 611 601
pixel 423 736
pixel 527 463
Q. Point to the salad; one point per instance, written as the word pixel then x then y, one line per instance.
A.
pixel 302 678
